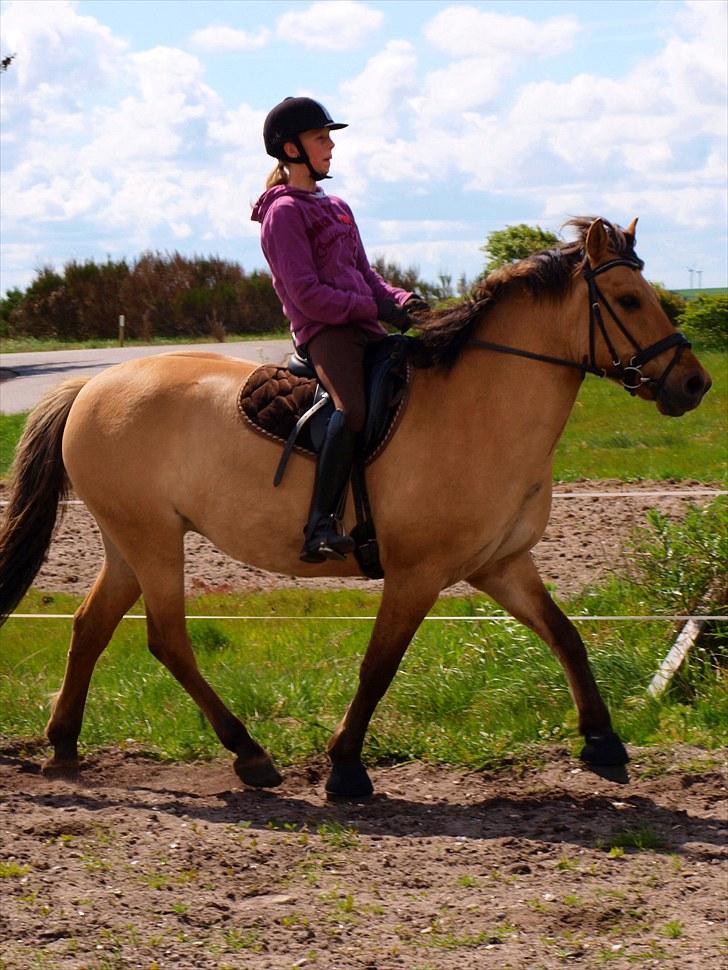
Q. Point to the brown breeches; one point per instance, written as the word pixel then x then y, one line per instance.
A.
pixel 337 354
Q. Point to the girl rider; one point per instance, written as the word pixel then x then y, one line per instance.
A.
pixel 331 295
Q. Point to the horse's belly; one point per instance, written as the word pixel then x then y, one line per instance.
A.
pixel 521 538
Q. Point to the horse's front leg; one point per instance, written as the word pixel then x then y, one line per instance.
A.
pixel 403 607
pixel 517 587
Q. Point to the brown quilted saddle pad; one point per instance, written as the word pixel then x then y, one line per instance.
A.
pixel 272 400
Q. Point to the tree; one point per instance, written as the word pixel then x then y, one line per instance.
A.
pixel 516 242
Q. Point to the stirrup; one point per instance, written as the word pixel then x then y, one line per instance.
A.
pixel 326 542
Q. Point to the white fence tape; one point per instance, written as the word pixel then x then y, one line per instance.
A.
pixel 628 493
pixel 671 618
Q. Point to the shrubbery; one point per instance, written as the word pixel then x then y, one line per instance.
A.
pixel 705 321
pixel 672 303
pixel 160 295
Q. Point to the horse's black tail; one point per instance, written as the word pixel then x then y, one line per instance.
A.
pixel 38 482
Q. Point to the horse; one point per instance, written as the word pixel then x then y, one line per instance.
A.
pixel 155 447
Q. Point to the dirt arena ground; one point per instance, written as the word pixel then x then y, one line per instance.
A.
pixel 140 864
pixel 147 865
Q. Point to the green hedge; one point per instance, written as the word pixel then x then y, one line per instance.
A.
pixel 705 321
pixel 160 295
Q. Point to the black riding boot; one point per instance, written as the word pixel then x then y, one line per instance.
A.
pixel 324 537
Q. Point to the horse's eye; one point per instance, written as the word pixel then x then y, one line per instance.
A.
pixel 629 301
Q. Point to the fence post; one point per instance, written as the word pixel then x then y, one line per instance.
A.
pixel 122 324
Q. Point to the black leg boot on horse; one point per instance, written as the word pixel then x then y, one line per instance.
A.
pixel 324 537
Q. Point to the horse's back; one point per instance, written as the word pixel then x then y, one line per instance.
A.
pixel 158 444
pixel 151 418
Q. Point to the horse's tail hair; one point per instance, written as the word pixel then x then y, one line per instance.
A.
pixel 38 483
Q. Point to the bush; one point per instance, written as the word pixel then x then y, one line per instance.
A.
pixel 672 303
pixel 705 321
pixel 10 302
pixel 160 295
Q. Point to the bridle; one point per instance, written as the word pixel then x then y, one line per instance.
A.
pixel 629 374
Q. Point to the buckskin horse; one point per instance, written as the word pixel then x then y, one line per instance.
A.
pixel 156 447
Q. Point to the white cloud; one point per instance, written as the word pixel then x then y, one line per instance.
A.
pixel 487 48
pixel 432 257
pixel 398 228
pixel 464 31
pixel 687 205
pixel 463 86
pixel 374 97
pixel 218 37
pixel 333 25
pixel 240 128
pixel 57 46
pixel 111 149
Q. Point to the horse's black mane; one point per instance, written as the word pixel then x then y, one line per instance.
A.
pixel 548 274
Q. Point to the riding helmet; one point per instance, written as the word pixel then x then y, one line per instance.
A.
pixel 288 119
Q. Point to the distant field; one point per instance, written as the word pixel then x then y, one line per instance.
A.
pixel 693 294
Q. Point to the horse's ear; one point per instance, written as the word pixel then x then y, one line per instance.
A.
pixel 597 242
pixel 631 233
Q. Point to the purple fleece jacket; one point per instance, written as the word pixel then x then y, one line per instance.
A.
pixel 320 270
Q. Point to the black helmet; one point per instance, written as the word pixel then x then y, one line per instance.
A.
pixel 287 121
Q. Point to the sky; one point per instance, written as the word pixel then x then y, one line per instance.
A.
pixel 133 125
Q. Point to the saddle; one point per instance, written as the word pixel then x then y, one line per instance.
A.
pixel 288 405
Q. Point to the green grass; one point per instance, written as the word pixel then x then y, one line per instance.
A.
pixel 612 435
pixel 468 693
pixel 25 345
pixel 11 428
pixel 609 435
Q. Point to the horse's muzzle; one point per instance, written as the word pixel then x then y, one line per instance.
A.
pixel 683 391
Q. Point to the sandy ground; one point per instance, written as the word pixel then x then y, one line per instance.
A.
pixel 148 865
pixel 140 864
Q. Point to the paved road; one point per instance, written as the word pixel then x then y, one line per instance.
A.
pixel 25 378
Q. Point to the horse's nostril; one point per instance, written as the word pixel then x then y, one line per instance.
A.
pixel 695 385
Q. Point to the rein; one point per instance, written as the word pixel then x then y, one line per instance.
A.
pixel 629 374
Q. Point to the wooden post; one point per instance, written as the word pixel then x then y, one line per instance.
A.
pixel 122 324
pixel 674 660
pixel 688 636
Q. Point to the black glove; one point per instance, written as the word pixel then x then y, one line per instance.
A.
pixel 416 304
pixel 394 314
pixel 404 315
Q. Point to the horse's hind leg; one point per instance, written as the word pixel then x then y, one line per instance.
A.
pixel 115 590
pixel 162 580
pixel 518 588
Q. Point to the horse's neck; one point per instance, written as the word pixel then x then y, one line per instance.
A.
pixel 517 399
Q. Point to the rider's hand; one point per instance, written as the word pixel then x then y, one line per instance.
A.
pixel 416 304
pixel 394 314
pixel 403 315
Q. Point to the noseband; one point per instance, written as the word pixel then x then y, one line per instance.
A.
pixel 630 374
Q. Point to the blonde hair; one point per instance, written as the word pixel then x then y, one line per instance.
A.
pixel 279 176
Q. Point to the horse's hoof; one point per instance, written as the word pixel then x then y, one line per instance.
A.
pixel 349 781
pixel 603 749
pixel 258 773
pixel 60 768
